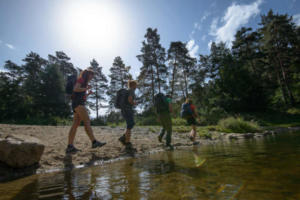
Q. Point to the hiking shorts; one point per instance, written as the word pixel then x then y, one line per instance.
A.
pixel 191 121
pixel 128 116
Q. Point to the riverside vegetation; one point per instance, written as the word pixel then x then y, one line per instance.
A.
pixel 253 83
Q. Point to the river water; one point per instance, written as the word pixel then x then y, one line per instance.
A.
pixel 267 168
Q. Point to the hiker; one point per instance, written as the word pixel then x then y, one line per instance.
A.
pixel 80 112
pixel 163 108
pixel 126 101
pixel 188 112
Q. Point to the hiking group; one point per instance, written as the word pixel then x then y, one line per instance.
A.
pixel 79 89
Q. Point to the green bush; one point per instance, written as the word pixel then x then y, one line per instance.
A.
pixel 212 116
pixel 293 111
pixel 238 125
pixel 181 129
pixel 178 122
pixel 98 122
pixel 146 121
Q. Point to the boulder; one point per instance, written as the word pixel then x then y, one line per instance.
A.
pixel 20 151
pixel 248 135
pixel 266 133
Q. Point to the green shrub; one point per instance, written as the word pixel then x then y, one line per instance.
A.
pixel 147 121
pixel 98 122
pixel 238 125
pixel 293 111
pixel 212 116
pixel 153 130
pixel 178 121
pixel 181 129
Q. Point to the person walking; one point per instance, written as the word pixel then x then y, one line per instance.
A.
pixel 164 109
pixel 80 112
pixel 127 112
pixel 188 111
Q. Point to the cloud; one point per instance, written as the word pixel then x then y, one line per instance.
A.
pixel 235 17
pixel 193 48
pixel 10 46
pixel 197 26
pixel 213 26
pixel 296 19
pixel 209 44
pixel 204 17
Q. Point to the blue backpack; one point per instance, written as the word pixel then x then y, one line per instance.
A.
pixel 186 110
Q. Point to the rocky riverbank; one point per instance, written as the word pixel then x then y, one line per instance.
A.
pixel 54 140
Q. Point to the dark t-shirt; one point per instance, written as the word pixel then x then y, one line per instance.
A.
pixel 78 98
pixel 132 94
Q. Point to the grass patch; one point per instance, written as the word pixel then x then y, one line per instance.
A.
pixel 238 125
pixel 153 129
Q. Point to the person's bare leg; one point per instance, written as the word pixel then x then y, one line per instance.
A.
pixel 72 132
pixel 83 114
pixel 193 132
pixel 127 135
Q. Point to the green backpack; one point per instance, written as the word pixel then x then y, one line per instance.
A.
pixel 160 103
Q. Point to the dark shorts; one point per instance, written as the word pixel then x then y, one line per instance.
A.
pixel 191 121
pixel 77 103
pixel 77 99
pixel 128 116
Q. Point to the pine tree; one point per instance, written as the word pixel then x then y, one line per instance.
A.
pixel 63 62
pixel 119 76
pixel 53 93
pixel 279 40
pixel 99 88
pixel 33 67
pixel 175 59
pixel 153 73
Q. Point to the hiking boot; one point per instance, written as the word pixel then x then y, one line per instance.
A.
pixel 71 149
pixel 129 147
pixel 191 138
pixel 96 144
pixel 122 139
pixel 159 138
pixel 169 147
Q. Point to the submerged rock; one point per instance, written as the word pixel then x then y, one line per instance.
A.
pixel 20 151
pixel 266 133
pixel 248 135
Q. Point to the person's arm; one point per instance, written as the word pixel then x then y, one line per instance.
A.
pixel 78 88
pixel 130 100
pixel 195 115
pixel 90 92
pixel 170 108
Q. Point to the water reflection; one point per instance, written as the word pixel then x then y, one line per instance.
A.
pixel 252 169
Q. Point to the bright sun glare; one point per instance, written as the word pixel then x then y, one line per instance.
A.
pixel 92 25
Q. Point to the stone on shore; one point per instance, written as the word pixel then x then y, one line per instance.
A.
pixel 20 151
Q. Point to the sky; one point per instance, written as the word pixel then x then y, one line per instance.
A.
pixel 104 29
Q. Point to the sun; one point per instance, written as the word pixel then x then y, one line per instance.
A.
pixel 91 25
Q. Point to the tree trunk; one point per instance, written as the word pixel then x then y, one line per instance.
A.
pixel 290 94
pixel 173 79
pixel 186 85
pixel 97 107
pixel 281 85
pixel 158 79
pixel 152 84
